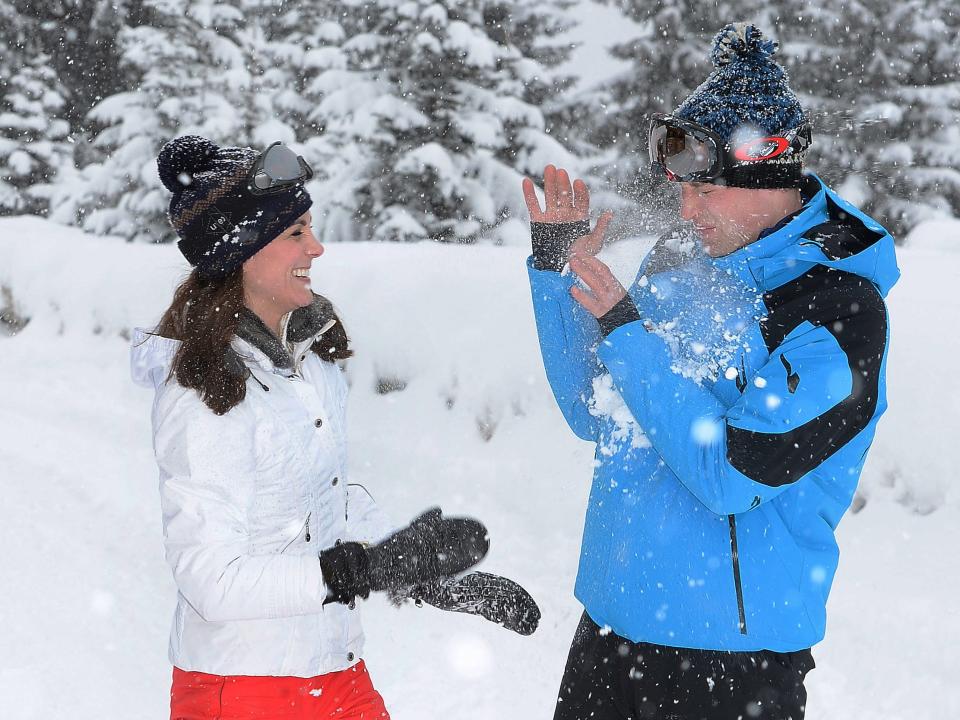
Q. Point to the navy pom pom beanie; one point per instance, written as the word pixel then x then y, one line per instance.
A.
pixel 220 223
pixel 748 96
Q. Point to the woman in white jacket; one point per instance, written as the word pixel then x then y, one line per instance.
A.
pixel 268 543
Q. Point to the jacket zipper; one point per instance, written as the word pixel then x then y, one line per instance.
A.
pixel 735 554
pixel 305 527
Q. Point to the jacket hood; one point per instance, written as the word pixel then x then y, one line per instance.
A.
pixel 828 231
pixel 151 357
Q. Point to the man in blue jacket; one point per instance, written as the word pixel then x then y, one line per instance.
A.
pixel 732 393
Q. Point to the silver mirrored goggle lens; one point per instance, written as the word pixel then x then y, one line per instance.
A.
pixel 680 152
pixel 280 166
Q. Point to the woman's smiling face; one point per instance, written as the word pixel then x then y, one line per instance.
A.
pixel 277 279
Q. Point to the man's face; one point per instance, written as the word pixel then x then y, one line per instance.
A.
pixel 728 218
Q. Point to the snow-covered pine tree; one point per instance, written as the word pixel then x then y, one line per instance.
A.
pixel 668 59
pixel 881 80
pixel 286 44
pixel 430 114
pixel 230 70
pixel 33 137
pixel 878 78
pixel 189 75
pixel 33 133
pixel 667 62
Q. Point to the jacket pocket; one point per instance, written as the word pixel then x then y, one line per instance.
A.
pixel 735 559
pixel 302 534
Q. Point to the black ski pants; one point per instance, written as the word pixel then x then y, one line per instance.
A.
pixel 610 678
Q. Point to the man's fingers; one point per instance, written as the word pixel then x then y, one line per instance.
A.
pixel 593 265
pixel 581 197
pixel 595 274
pixel 564 191
pixel 564 201
pixel 601 228
pixel 533 203
pixel 591 276
pixel 592 243
pixel 589 302
pixel 550 187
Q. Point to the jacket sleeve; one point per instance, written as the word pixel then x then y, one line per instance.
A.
pixel 567 334
pixel 366 522
pixel 818 389
pixel 207 468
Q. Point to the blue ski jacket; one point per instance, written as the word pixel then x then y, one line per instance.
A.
pixel 731 425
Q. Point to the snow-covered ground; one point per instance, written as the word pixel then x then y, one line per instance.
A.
pixel 87 598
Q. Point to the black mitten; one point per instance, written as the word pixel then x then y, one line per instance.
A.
pixel 430 548
pixel 498 599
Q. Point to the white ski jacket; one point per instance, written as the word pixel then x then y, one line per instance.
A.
pixel 249 499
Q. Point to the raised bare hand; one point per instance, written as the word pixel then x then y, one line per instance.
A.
pixel 565 202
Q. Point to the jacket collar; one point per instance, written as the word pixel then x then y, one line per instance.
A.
pixel 790 249
pixel 300 329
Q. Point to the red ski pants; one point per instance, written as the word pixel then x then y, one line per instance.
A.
pixel 344 695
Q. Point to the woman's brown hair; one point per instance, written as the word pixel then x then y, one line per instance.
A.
pixel 203 316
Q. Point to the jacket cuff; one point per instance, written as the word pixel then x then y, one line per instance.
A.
pixel 552 241
pixel 622 313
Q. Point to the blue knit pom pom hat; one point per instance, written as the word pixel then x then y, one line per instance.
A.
pixel 745 99
pixel 220 223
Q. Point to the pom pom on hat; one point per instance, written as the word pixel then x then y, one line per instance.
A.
pixel 741 42
pixel 182 158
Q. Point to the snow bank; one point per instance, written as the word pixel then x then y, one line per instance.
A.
pixel 936 236
pixel 474 428
pixel 454 322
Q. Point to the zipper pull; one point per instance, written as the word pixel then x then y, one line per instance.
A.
pixel 308 527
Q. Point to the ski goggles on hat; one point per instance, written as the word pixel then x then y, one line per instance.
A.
pixel 686 151
pixel 277 169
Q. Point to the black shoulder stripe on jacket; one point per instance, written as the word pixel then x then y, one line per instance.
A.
pixel 842 235
pixel 852 310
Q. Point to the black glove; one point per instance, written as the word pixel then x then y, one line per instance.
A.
pixel 430 548
pixel 498 599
